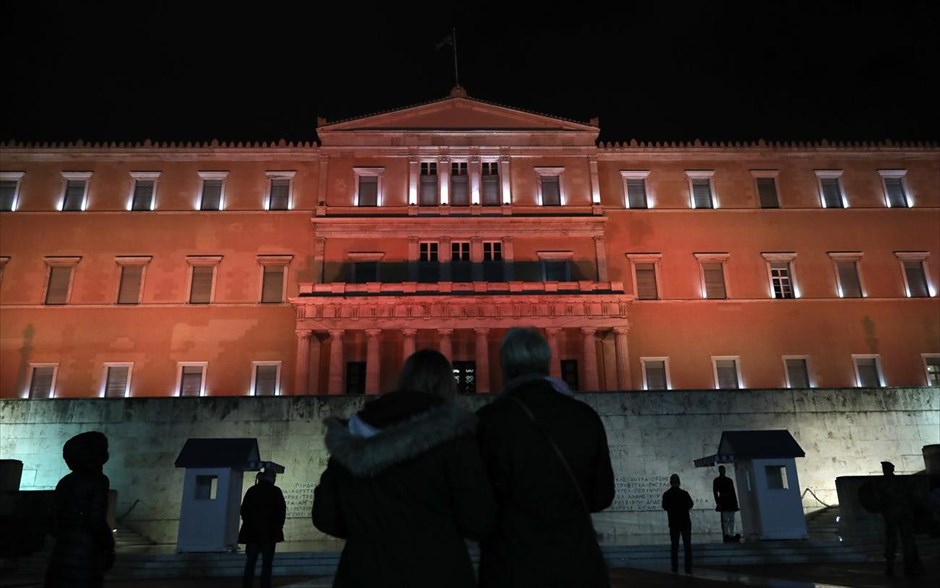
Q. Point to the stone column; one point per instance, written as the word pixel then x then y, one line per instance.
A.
pixel 589 358
pixel 409 343
pixel 301 369
pixel 444 345
pixel 623 358
pixel 337 363
pixel 505 195
pixel 373 361
pixel 483 360
pixel 554 366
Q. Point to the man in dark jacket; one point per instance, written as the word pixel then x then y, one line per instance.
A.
pixel 726 503
pixel 677 503
pixel 263 512
pixel 898 512
pixel 547 457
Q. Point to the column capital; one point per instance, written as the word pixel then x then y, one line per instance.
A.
pixel 599 238
pixel 445 331
pixel 303 333
pixel 481 331
pixel 337 333
pixel 623 330
pixel 373 332
pixel 588 331
pixel 409 332
pixel 552 330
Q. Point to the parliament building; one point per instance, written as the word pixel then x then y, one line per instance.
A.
pixel 234 269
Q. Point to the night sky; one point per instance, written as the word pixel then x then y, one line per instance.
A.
pixel 657 71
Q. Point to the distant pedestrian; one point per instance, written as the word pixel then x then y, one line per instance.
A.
pixel 726 503
pixel 897 508
pixel 84 542
pixel 263 513
pixel 677 503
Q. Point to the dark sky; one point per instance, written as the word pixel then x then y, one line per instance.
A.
pixel 656 71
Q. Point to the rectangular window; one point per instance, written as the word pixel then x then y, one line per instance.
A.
pixel 636 193
pixel 74 195
pixel 279 193
pixel 460 261
pixel 655 373
pixel 700 184
pixel 266 378
pixel 777 477
pixel 459 184
pixel 490 183
pixel 646 281
pixel 932 369
pixel 895 189
pixel 830 188
pixel 713 276
pixel 200 291
pixel 117 380
pixel 207 487
pixel 780 279
pixel 569 373
pixel 428 269
pixel 132 276
pixel 867 371
pixel 556 270
pixel 60 282
pixel 211 195
pixel 847 275
pixel 356 377
pixel 797 372
pixel 272 284
pixel 493 261
pixel 767 192
pixel 368 191
pixel 364 272
pixel 551 190
pixel 726 373
pixel 143 195
pixel 191 379
pixel 428 187
pixel 42 381
pixel 913 266
pixel 9 190
pixel 465 376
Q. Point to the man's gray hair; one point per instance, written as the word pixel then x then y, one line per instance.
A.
pixel 524 351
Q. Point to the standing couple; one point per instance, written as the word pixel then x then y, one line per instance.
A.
pixel 413 475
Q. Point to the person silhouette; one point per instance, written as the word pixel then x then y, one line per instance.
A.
pixel 726 503
pixel 263 512
pixel 677 503
pixel 898 513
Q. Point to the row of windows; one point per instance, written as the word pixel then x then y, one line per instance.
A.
pixel 461 188
pixel 780 274
pixel 266 376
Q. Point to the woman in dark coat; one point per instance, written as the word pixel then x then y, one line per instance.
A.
pixel 84 543
pixel 405 485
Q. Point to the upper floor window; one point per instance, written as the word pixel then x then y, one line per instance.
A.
pixel 202 278
pixel 460 261
pixel 490 183
pixel 76 191
pixel 712 266
pixel 932 368
pixel 368 185
pixel 796 368
pixel 428 268
pixel 894 183
pixel 365 266
pixel 727 373
pixel 550 193
pixel 273 277
pixel 428 184
pixel 265 378
pixel 116 380
pixel 830 188
pixel 9 190
pixel 634 187
pixel 556 265
pixel 847 276
pixel 143 191
pixel 493 261
pixel 780 271
pixel 59 279
pixel 868 371
pixel 914 270
pixel 765 181
pixel 645 275
pixel 130 284
pixel 191 378
pixel 459 184
pixel 655 373
pixel 42 380
pixel 279 190
pixel 212 193
pixel 700 188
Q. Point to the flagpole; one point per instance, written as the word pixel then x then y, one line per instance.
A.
pixel 456 75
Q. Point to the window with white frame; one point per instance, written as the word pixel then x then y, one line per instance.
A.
pixel 279 190
pixel 868 371
pixel 895 186
pixel 847 274
pixel 428 187
pixel 490 183
pixel 645 274
pixel 556 265
pixel 796 368
pixel 202 278
pixel 365 266
pixel 932 368
pixel 830 188
pixel 550 192
pixel 9 190
pixel 493 261
pixel 59 279
pixel 116 380
pixel 368 185
pixel 191 378
pixel 712 267
pixel 265 378
pixel 765 182
pixel 780 271
pixel 634 188
pixel 428 266
pixel 143 191
pixel 212 192
pixel 76 191
pixel 914 270
pixel 701 191
pixel 459 184
pixel 656 373
pixel 460 268
pixel 131 281
pixel 42 380
pixel 273 277
pixel 727 374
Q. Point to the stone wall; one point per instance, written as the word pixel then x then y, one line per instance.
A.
pixel 651 435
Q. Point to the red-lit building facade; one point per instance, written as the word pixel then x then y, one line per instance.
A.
pixel 237 269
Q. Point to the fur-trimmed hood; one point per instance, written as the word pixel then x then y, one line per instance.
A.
pixel 369 455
